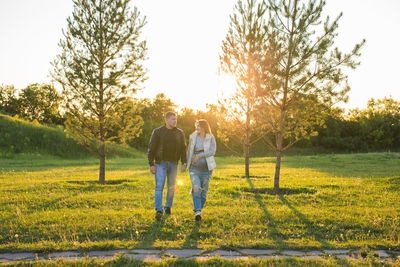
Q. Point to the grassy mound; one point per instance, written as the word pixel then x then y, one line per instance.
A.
pixel 19 136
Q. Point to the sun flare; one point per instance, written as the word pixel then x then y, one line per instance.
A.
pixel 226 84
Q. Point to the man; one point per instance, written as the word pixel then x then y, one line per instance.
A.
pixel 167 146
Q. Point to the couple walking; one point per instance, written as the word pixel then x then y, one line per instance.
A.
pixel 167 146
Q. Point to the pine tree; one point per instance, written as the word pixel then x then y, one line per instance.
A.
pixel 100 65
pixel 302 72
pixel 241 53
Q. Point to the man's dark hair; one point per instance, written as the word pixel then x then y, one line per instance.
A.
pixel 169 114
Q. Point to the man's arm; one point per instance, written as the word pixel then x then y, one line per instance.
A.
pixel 152 148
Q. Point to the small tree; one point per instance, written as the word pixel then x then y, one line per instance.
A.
pixel 100 64
pixel 241 53
pixel 302 71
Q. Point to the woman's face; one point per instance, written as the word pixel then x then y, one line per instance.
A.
pixel 199 129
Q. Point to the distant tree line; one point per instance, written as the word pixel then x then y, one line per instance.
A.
pixel 374 128
pixel 39 102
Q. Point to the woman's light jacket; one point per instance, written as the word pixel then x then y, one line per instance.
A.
pixel 209 150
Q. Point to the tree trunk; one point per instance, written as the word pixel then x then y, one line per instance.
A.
pixel 247 143
pixel 279 137
pixel 278 163
pixel 102 171
pixel 277 172
pixel 246 160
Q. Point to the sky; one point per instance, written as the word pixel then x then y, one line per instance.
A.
pixel 184 39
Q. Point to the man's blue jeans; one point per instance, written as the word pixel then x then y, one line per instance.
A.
pixel 169 170
pixel 200 182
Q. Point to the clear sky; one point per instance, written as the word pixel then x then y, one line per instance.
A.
pixel 184 40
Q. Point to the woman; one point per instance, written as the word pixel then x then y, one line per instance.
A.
pixel 201 163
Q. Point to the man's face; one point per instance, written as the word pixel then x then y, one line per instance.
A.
pixel 171 121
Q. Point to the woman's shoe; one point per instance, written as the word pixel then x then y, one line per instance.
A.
pixel 168 211
pixel 198 216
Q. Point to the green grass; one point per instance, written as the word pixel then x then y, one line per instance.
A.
pixel 284 262
pixel 330 201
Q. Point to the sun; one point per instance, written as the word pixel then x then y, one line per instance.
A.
pixel 226 84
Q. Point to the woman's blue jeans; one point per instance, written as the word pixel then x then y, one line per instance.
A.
pixel 169 170
pixel 200 182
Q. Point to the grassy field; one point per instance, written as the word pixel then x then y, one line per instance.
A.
pixel 329 201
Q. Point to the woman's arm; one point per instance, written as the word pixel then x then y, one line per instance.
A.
pixel 211 151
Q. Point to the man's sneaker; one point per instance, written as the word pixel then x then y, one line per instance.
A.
pixel 159 215
pixel 167 210
pixel 198 216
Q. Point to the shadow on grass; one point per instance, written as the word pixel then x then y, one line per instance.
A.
pixel 282 191
pixel 108 182
pixel 193 237
pixel 311 228
pixel 274 233
pixel 393 184
pixel 251 176
pixel 149 237
pixel 395 180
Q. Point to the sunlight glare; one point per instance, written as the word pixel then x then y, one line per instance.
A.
pixel 226 84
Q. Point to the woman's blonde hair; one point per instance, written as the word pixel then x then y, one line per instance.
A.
pixel 203 125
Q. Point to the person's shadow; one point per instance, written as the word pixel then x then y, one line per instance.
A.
pixel 192 238
pixel 151 234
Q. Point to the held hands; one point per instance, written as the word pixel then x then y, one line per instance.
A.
pixel 196 158
pixel 153 169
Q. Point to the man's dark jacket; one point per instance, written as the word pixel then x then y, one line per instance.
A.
pixel 156 145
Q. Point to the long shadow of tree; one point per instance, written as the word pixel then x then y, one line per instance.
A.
pixel 311 228
pixel 273 233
